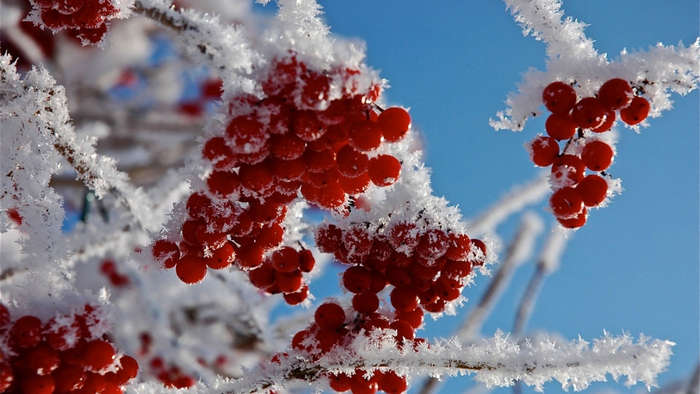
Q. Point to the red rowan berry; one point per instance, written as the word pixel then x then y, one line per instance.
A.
pixel 41 360
pixel 404 237
pixel 33 384
pixel 615 93
pixel 560 127
pixel 543 150
pixel 306 260
pixel 270 236
pixel 592 189
pixel 319 161
pixel 588 113
pixel 574 222
pixel 212 88
pixel 367 302
pixel 69 378
pixel 263 276
pixel 566 202
pixel 98 354
pixel 394 123
pixel 285 259
pixel 329 315
pixel 246 134
pixel 191 269
pixel 331 196
pixel 307 126
pixel 250 256
pixel 412 317
pixel 288 282
pixel 4 316
pixel 328 237
pixel 433 244
pixel 384 170
pixel 559 97
pixel 255 178
pixel 567 170
pixel 436 306
pixel 636 112
pixel 199 206
pixel 354 185
pixel 351 163
pixel 357 279
pixel 607 124
pixel 222 257
pixel 287 147
pixel 223 183
pixel 403 330
pixel 25 332
pixel 391 383
pixel 457 269
pixel 365 136
pixel 360 385
pixel 315 88
pixel 297 297
pixel 404 299
pixel 459 247
pixel 339 382
pixel 597 155
pixel 216 150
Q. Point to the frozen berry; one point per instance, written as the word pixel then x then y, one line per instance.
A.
pixel 560 127
pixel 559 97
pixel 543 150
pixel 592 189
pixel 329 316
pixel 394 123
pixel 191 269
pixel 566 202
pixel 636 112
pixel 384 170
pixel 588 113
pixel 616 93
pixel 597 155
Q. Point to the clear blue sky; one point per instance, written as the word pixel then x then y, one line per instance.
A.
pixel 634 266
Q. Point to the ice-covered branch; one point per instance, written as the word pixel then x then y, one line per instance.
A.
pixel 497 361
pixel 573 59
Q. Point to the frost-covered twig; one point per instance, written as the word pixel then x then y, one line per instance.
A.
pixel 572 58
pixel 497 361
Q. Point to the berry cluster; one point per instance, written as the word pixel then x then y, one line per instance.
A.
pixel 109 269
pixel 426 267
pixel 295 140
pixel 575 191
pixel 335 327
pixel 85 20
pixel 60 356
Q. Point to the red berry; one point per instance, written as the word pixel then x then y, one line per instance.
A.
pixel 307 126
pixel 403 330
pixel 433 244
pixel 354 185
pixel 459 247
pixel 457 269
pixel 560 127
pixel 575 222
pixel 566 202
pixel 339 382
pixel 330 316
pixel 200 206
pixel 262 277
pixel 166 253
pixel 246 134
pixel 412 317
pixel 394 123
pixel 384 170
pixel 216 150
pixel 559 97
pixel 616 93
pixel 588 113
pixel 592 189
pixel 69 378
pixel 285 259
pixel 357 242
pixel 331 196
pixel 391 383
pixel 41 360
pixel 26 332
pixel 365 302
pixel 98 354
pixel 222 257
pixel 223 183
pixel 306 260
pixel 250 256
pixel 637 111
pixel 607 124
pixel 365 136
pixel 38 384
pixel 128 369
pixel 256 177
pixel 288 282
pixel 297 297
pixel 404 299
pixel 191 269
pixel 567 170
pixel 597 155
pixel 404 237
pixel 212 88
pixel 360 385
pixel 4 316
pixel 357 279
pixel 436 306
pixel 320 161
pixel 543 150
pixel 287 147
pixel 328 238
pixel 351 163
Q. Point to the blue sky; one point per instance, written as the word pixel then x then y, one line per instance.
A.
pixel 634 266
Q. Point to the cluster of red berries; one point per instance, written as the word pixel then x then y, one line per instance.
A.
pixel 210 89
pixel 109 269
pixel 574 190
pixel 84 19
pixel 60 358
pixel 273 149
pixel 426 267
pixel 335 327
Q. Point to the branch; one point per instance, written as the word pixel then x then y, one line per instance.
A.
pixel 497 361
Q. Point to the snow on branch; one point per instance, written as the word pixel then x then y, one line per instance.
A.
pixel 497 361
pixel 37 103
pixel 573 59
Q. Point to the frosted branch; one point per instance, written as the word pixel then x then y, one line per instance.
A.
pixel 572 58
pixel 497 361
